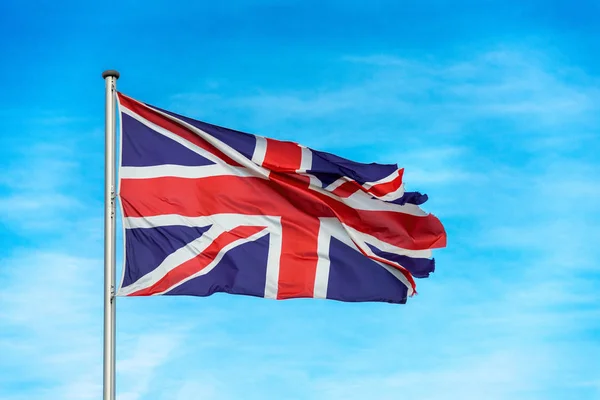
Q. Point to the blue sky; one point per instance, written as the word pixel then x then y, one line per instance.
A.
pixel 492 108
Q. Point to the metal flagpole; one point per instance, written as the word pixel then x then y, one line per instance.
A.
pixel 110 79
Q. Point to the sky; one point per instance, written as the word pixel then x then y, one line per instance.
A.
pixel 493 108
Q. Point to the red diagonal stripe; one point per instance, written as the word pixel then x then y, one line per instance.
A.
pixel 389 187
pixel 174 127
pixel 350 187
pixel 347 189
pixel 199 262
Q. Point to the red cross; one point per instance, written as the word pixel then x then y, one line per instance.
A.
pixel 284 194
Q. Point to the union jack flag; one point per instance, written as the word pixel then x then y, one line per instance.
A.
pixel 208 209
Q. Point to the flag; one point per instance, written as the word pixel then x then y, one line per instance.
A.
pixel 208 209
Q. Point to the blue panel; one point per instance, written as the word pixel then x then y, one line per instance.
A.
pixel 146 248
pixel 354 277
pixel 243 270
pixel 143 147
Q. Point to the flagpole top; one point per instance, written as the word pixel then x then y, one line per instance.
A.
pixel 111 72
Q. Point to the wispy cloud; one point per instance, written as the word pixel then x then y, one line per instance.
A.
pixel 436 166
pixel 485 137
pixel 140 358
pixel 52 298
pixel 505 82
pixel 52 316
pixel 502 141
pixel 492 108
pixel 55 303
pixel 432 97
pixel 500 375
pixel 41 185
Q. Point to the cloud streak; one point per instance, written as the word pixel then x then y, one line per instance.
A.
pixel 511 311
pixel 433 97
pixel 485 137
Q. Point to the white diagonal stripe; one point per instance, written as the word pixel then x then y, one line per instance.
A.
pixel 389 178
pixel 219 145
pixel 173 260
pixel 333 228
pixel 363 239
pixel 396 194
pixel 360 200
pixel 337 183
pixel 220 223
pixel 191 146
pixel 216 260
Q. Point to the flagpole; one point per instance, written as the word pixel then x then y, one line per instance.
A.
pixel 110 79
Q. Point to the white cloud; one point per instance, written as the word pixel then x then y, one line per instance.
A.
pixel 52 303
pixel 40 187
pixel 425 97
pixel 501 141
pixel 503 374
pixel 441 165
pixel 55 303
pixel 140 357
pixel 508 313
pixel 202 386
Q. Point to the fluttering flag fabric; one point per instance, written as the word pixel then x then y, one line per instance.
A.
pixel 208 209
